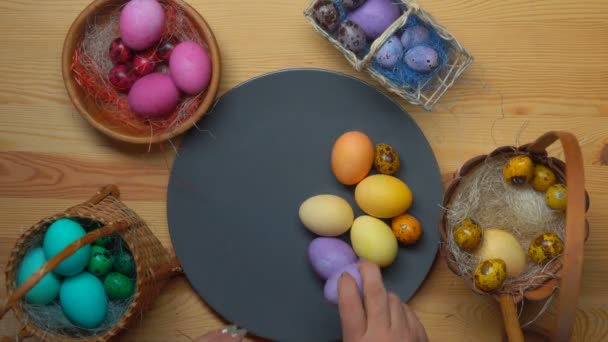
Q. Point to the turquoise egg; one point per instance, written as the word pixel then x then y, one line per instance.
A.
pixel 48 288
pixel 84 300
pixel 60 234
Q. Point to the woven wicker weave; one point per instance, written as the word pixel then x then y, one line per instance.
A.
pixel 154 264
pixel 425 94
pixel 546 283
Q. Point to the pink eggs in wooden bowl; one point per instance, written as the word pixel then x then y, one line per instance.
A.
pixel 141 71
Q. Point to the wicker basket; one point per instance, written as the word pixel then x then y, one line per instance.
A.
pixel 425 94
pixel 154 265
pixel 565 273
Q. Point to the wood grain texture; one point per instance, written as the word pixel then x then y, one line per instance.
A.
pixel 539 66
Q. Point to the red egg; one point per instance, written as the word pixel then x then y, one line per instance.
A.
pixel 122 78
pixel 119 52
pixel 164 51
pixel 144 63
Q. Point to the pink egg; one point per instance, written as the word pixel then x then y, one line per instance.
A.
pixel 190 67
pixel 142 23
pixel 153 96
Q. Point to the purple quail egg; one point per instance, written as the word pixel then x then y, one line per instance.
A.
pixel 422 59
pixel 326 14
pixel 390 53
pixel 414 35
pixel 352 4
pixel 351 36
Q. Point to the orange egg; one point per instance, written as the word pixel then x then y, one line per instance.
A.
pixel 352 157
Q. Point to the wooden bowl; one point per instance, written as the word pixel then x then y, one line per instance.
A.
pixel 95 115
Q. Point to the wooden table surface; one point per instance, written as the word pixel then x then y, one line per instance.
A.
pixel 539 66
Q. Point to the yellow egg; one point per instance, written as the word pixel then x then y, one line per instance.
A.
pixel 557 197
pixel 352 157
pixel 500 244
pixel 545 247
pixel 383 196
pixel 326 215
pixel 373 240
pixel 518 170
pixel 490 274
pixel 544 177
pixel 467 235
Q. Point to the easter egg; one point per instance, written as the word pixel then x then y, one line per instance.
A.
pixel 518 170
pixel 326 15
pixel 122 77
pixel 422 59
pixel 326 215
pixel 100 261
pixel 373 240
pixel 386 159
pixel 84 300
pixel 119 52
pixel 328 255
pixel 153 96
pixel 144 63
pixel 103 242
pixel 59 235
pixel 407 229
pixel 375 16
pixel 390 53
pixel 383 196
pixel 164 51
pixel 190 67
pixel 557 196
pixel 47 288
pixel 542 178
pixel 467 235
pixel 118 286
pixel 351 36
pixel 500 244
pixel 142 23
pixel 352 157
pixel 545 247
pixel 352 4
pixel 414 35
pixel 490 274
pixel 123 263
pixel 330 290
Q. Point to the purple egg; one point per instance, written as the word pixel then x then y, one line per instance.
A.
pixel 414 35
pixel 153 96
pixel 390 53
pixel 328 255
pixel 142 23
pixel 190 67
pixel 422 59
pixel 375 16
pixel 330 291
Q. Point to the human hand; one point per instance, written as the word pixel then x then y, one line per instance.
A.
pixel 381 316
pixel 228 334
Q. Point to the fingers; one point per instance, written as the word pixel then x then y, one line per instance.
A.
pixel 376 299
pixel 221 336
pixel 352 314
pixel 414 324
pixel 398 319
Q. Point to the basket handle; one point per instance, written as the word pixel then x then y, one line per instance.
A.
pixel 576 230
pixel 51 264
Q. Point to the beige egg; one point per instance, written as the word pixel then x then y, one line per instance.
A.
pixel 326 215
pixel 373 240
pixel 500 244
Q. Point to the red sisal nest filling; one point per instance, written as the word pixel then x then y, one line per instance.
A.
pixel 91 65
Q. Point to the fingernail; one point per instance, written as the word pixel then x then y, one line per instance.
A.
pixel 234 331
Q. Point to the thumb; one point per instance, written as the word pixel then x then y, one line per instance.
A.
pixel 229 334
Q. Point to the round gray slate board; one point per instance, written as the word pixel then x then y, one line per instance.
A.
pixel 236 187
